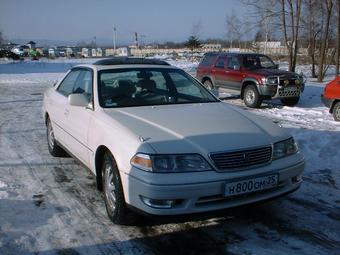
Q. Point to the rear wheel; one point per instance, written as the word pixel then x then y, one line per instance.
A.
pixel 113 191
pixel 54 149
pixel 251 97
pixel 208 84
pixel 290 101
pixel 336 111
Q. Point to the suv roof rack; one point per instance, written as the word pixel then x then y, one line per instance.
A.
pixel 130 61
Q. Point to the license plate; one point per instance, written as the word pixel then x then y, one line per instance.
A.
pixel 251 185
pixel 290 89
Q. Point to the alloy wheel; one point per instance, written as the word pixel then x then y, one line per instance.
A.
pixel 110 187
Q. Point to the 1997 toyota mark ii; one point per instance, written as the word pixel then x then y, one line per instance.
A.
pixel 161 143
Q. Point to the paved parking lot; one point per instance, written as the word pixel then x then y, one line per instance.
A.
pixel 51 206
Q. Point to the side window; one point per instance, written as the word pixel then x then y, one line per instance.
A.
pixel 207 60
pixel 66 87
pixel 232 61
pixel 265 62
pixel 220 62
pixel 159 79
pixel 185 86
pixel 83 84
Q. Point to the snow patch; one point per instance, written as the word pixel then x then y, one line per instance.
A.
pixel 2 185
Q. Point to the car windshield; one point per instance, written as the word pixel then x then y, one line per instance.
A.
pixel 257 62
pixel 149 86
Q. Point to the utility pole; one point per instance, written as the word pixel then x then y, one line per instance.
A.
pixel 136 40
pixel 142 43
pixel 114 40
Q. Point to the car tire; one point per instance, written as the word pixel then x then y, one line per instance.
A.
pixel 208 84
pixel 53 147
pixel 113 192
pixel 251 97
pixel 290 101
pixel 336 111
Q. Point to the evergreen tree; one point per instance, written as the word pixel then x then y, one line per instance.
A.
pixel 193 43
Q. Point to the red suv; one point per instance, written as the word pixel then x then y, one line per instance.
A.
pixel 254 76
pixel 331 97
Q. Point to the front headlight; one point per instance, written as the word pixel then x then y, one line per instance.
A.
pixel 302 78
pixel 170 163
pixel 272 81
pixel 285 148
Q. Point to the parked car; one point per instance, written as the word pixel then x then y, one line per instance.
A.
pixel 254 76
pixel 331 97
pixel 9 54
pixel 161 143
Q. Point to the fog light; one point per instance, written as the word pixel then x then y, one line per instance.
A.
pixel 158 203
pixel 297 178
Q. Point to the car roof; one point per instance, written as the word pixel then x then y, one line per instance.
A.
pixel 130 61
pixel 126 62
pixel 234 53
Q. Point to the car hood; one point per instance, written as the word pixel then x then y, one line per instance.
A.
pixel 197 128
pixel 274 72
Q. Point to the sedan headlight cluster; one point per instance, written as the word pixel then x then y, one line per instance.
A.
pixel 170 163
pixel 285 148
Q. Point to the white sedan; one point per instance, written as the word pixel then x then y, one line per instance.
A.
pixel 160 143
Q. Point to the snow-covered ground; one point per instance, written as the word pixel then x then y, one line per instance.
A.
pixel 50 205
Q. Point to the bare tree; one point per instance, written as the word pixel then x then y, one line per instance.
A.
pixel 267 19
pixel 283 14
pixel 299 18
pixel 267 15
pixel 328 6
pixel 337 41
pixel 197 29
pixel 291 16
pixel 311 23
pixel 234 29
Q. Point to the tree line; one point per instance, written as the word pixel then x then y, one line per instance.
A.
pixel 314 23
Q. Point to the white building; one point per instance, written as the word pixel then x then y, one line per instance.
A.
pixel 211 47
pixel 85 52
pixel 124 51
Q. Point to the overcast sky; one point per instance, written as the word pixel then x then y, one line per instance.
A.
pixel 79 20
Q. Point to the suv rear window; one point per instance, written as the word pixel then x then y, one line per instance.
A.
pixel 207 60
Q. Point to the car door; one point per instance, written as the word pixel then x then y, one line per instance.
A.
pixel 218 71
pixel 233 73
pixel 58 105
pixel 78 118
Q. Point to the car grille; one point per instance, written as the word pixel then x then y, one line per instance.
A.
pixel 288 82
pixel 290 93
pixel 242 159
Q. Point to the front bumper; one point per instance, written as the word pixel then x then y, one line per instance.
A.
pixel 276 91
pixel 202 194
pixel 327 101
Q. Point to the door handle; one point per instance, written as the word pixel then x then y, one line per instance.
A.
pixel 66 112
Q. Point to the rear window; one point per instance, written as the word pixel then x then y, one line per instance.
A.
pixel 207 60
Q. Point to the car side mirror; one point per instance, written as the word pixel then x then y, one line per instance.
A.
pixel 78 100
pixel 237 68
pixel 276 66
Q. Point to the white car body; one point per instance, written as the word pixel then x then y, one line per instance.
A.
pixel 198 128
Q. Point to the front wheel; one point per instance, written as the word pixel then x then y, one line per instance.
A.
pixel 208 84
pixel 54 149
pixel 290 101
pixel 336 111
pixel 251 97
pixel 113 191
